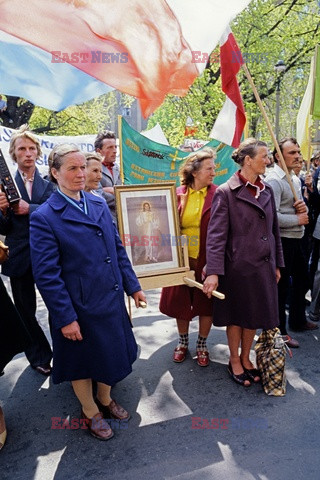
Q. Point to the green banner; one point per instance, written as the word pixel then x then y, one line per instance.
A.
pixel 145 161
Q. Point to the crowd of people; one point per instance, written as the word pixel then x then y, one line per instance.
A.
pixel 256 243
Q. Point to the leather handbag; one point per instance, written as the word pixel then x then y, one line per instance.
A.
pixel 4 252
pixel 271 360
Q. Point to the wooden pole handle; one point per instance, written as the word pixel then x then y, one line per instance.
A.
pixel 275 141
pixel 193 283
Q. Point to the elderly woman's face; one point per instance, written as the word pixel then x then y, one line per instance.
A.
pixel 93 175
pixel 72 173
pixel 259 162
pixel 204 176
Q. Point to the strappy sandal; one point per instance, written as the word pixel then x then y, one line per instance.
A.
pixel 240 379
pixel 253 373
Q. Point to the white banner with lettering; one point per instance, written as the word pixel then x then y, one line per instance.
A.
pixel 84 142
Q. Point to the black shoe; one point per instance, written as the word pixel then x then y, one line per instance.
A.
pixel 240 379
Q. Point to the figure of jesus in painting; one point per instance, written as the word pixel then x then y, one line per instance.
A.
pixel 149 224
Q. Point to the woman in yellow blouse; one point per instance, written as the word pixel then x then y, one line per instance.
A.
pixel 194 204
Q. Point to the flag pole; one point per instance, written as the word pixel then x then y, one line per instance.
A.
pixel 309 151
pixel 312 106
pixel 274 140
pixel 120 146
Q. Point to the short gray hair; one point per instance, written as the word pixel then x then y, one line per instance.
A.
pixel 56 157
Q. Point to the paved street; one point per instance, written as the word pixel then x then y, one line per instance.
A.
pixel 258 437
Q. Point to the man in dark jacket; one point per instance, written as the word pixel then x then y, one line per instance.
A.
pixel 106 145
pixel 14 224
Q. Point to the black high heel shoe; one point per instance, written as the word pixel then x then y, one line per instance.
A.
pixel 241 378
pixel 253 373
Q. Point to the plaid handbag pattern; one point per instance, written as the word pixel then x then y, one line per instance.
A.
pixel 271 359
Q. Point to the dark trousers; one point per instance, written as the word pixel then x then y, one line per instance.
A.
pixel 294 280
pixel 14 336
pixel 24 296
pixel 314 259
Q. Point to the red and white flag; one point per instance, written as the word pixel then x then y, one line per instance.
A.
pixel 229 125
pixel 141 47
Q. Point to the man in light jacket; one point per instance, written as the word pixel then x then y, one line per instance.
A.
pixel 292 216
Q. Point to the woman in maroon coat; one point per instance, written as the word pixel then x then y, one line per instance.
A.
pixel 194 203
pixel 244 254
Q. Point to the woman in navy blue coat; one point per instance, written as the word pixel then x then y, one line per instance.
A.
pixel 82 272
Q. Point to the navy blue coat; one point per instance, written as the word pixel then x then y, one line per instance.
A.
pixel 82 271
pixel 16 227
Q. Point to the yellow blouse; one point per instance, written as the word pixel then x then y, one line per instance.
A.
pixel 191 218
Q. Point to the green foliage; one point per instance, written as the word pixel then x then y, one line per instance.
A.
pixel 285 30
pixel 198 104
pixel 288 31
pixel 88 118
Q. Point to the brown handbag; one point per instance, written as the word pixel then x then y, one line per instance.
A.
pixel 4 252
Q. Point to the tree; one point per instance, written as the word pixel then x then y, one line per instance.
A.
pixel 19 112
pixel 287 30
pixel 88 118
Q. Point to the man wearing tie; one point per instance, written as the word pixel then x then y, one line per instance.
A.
pixel 14 224
pixel 105 144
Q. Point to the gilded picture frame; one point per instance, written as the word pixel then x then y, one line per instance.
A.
pixel 149 227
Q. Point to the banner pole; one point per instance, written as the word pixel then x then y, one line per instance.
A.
pixel 309 151
pixel 120 146
pixel 274 140
pixel 314 60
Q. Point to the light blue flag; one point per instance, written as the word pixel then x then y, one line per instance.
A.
pixel 27 71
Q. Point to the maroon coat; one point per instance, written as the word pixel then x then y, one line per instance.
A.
pixel 181 301
pixel 244 249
